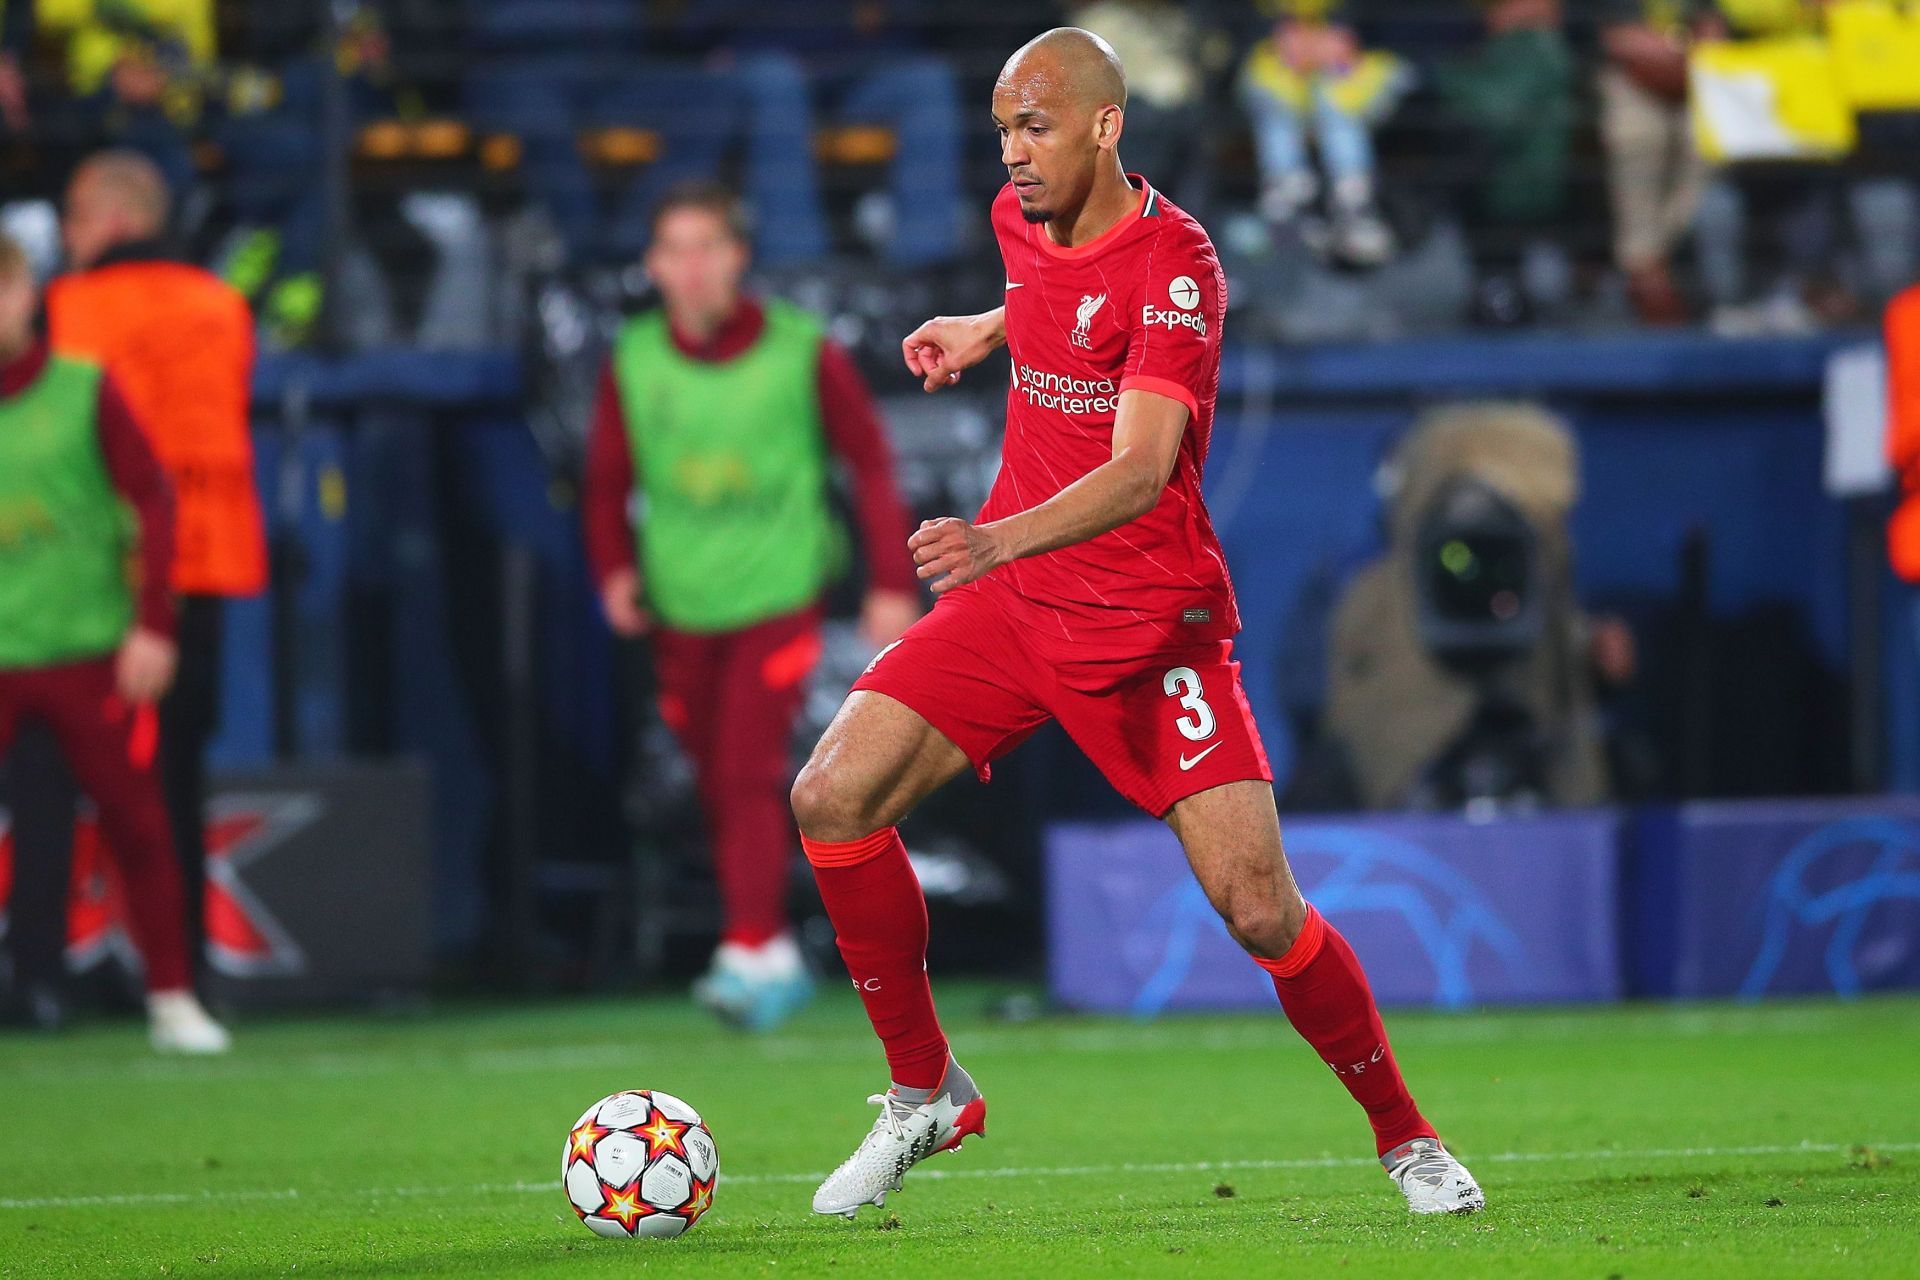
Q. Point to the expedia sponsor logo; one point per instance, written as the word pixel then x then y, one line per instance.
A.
pixel 1066 393
pixel 1152 315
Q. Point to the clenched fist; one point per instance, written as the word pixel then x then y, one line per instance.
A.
pixel 952 553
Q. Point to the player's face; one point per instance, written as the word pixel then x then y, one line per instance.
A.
pixel 696 262
pixel 1051 145
pixel 16 310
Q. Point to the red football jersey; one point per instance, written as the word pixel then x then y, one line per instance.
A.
pixel 1140 307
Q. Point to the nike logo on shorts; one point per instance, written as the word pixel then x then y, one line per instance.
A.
pixel 1186 763
pixel 1016 284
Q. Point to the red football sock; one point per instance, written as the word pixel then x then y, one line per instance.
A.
pixel 1325 994
pixel 880 920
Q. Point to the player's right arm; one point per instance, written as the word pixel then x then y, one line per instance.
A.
pixel 149 654
pixel 606 494
pixel 938 350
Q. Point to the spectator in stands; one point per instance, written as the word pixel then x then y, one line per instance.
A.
pixel 179 344
pixel 1654 171
pixel 725 414
pixel 549 69
pixel 272 130
pixel 16 27
pixel 1788 216
pixel 863 64
pixel 139 70
pixel 1513 101
pixel 1309 77
pixel 88 643
pixel 1166 53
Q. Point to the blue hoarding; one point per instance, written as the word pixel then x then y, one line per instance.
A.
pixel 1776 897
pixel 1442 911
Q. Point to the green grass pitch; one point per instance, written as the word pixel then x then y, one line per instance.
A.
pixel 1781 1140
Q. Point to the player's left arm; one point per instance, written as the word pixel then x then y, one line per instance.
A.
pixel 1147 429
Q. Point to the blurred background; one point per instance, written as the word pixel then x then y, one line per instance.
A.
pixel 1552 463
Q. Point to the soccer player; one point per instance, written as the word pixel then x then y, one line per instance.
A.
pixel 724 414
pixel 1090 590
pixel 85 650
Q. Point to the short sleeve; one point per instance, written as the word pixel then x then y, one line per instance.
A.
pixel 1173 347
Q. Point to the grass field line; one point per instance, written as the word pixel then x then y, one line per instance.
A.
pixel 940 1175
pixel 1018 1040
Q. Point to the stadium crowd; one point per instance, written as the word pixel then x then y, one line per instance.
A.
pixel 1578 163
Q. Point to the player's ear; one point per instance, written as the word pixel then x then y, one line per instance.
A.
pixel 1107 127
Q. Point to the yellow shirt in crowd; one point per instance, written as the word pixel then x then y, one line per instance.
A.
pixel 98 33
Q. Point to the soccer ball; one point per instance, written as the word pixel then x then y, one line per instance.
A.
pixel 639 1163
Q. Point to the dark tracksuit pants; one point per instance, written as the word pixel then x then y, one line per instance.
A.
pixel 109 747
pixel 43 795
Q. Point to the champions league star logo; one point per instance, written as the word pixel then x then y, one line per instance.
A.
pixel 1349 870
pixel 244 940
pixel 1089 304
pixel 1845 886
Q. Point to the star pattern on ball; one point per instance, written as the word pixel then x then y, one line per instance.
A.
pixel 625 1206
pixel 699 1200
pixel 580 1141
pixel 663 1135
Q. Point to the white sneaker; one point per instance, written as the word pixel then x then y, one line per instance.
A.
pixel 1360 235
pixel 756 988
pixel 905 1134
pixel 1431 1179
pixel 1284 199
pixel 177 1023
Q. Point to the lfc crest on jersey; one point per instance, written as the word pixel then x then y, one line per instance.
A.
pixel 1090 304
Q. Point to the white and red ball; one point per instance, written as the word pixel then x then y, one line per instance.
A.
pixel 639 1163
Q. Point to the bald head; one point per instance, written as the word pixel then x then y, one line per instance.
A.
pixel 116 197
pixel 1060 103
pixel 1072 62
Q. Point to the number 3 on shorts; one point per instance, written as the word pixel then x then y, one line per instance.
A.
pixel 1184 683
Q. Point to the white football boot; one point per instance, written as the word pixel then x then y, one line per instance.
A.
pixel 178 1023
pixel 906 1133
pixel 1431 1179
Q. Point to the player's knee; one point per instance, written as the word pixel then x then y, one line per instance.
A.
pixel 825 808
pixel 1265 924
pixel 809 799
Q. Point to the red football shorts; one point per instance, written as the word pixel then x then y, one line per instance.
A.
pixel 1161 728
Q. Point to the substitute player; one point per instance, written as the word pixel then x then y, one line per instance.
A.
pixel 1090 590
pixel 725 415
pixel 85 650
